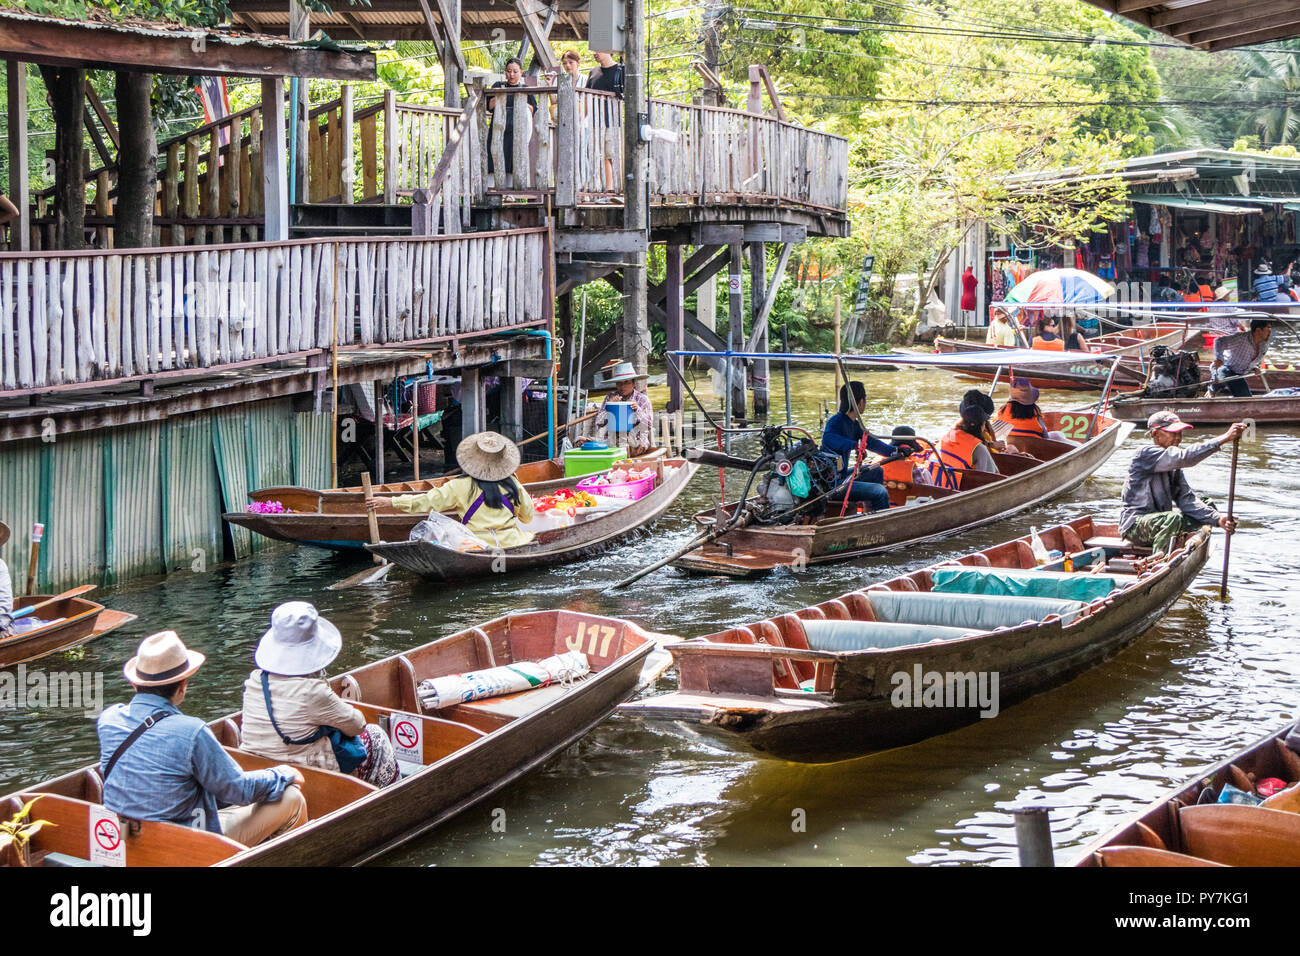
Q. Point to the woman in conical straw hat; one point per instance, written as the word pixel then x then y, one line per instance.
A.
pixel 489 500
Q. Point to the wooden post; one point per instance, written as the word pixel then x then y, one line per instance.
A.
pixel 390 147
pixel 566 131
pixel 736 334
pixel 300 29
pixel 415 428
pixel 676 316
pixel 512 408
pixel 19 186
pixel 424 213
pixel 275 171
pixel 452 71
pixel 347 174
pixel 758 321
pixel 837 325
pixel 379 431
pixel 634 327
pixel 472 417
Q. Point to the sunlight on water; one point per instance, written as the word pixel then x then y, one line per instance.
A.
pixel 1208 678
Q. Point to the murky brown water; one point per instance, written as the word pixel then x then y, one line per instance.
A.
pixel 1209 678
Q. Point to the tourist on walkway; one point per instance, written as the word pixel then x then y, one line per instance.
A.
pixel 514 80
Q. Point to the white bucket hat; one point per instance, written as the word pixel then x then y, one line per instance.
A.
pixel 299 642
pixel 162 659
pixel 622 372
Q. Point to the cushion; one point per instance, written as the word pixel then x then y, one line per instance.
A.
pixel 977 612
pixel 861 635
pixel 1025 583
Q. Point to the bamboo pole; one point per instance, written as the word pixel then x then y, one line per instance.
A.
pixel 1227 541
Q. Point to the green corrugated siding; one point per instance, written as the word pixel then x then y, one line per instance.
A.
pixel 311 459
pixel 132 502
pixel 20 504
pixel 73 549
pixel 230 448
pixel 191 493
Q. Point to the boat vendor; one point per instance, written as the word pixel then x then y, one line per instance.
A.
pixel 1237 355
pixel 159 764
pixel 624 379
pixel 291 658
pixel 6 589
pixel 1158 503
pixel 1024 415
pixel 1002 330
pixel 489 499
pixel 843 433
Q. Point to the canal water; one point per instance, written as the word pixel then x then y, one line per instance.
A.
pixel 1209 678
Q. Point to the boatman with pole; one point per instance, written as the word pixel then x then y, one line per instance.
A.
pixel 1158 503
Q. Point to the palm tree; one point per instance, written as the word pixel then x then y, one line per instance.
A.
pixel 1273 78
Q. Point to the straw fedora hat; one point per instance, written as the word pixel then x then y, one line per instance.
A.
pixel 162 659
pixel 622 372
pixel 488 456
pixel 1221 293
pixel 299 641
pixel 4 533
pixel 1263 269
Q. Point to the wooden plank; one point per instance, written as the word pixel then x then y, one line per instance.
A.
pixel 233 300
pixel 256 200
pixel 150 317
pixel 8 325
pixel 347 161
pixel 281 259
pixel 369 159
pixel 233 178
pixel 68 295
pixel 166 268
pixel 390 147
pixel 264 288
pixel 212 205
pixel 202 325
pixel 365 293
pixel 54 296
pixel 191 184
pixel 139 322
pixel 40 342
pixel 190 307
pixel 113 316
pixel 221 307
pixel 452 35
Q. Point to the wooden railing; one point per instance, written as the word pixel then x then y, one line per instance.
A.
pixel 75 318
pixel 598 146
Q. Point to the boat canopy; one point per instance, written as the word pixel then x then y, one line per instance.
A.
pixel 1001 358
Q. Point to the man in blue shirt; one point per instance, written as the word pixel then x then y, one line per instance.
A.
pixel 174 770
pixel 1267 285
pixel 841 436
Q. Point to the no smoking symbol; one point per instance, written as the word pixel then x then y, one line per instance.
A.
pixel 107 835
pixel 406 734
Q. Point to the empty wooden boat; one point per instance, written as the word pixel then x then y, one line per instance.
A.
pixel 335 518
pixel 1189 827
pixel 591 534
pixel 926 652
pixel 922 512
pixel 467 751
pixel 1216 410
pixel 60 626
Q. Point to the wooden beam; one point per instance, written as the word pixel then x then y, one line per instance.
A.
pixel 457 134
pixel 674 319
pixel 434 33
pixel 105 117
pixel 276 7
pixel 451 25
pixel 600 240
pixel 1126 7
pixel 88 121
pixel 772 94
pixel 769 300
pixel 537 34
pixel 1200 10
pixel 19 183
pixel 96 45
pixel 275 166
pixel 1289 21
pixel 1261 36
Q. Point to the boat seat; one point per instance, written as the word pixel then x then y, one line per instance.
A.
pixel 1116 544
pixel 1147 856
pixel 865 635
pixel 969 611
pixel 1027 583
pixel 512 706
pixel 1240 835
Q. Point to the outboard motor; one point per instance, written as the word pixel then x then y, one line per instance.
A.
pixel 1174 374
pixel 797 473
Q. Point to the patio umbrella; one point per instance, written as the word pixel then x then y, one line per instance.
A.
pixel 1071 286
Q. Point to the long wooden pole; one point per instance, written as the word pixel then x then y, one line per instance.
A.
pixel 415 428
pixel 1232 494
pixel 38 530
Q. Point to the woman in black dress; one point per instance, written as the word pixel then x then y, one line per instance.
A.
pixel 514 78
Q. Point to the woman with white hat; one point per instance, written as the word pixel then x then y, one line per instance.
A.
pixel 6 589
pixel 624 378
pixel 489 500
pixel 290 709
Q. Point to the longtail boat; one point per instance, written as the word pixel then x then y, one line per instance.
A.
pixel 1046 469
pixel 589 535
pixel 1275 409
pixel 1134 341
pixel 468 751
pixel 1189 827
pixel 63 625
pixel 926 652
pixel 335 518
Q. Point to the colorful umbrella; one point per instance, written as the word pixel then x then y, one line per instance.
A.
pixel 1061 285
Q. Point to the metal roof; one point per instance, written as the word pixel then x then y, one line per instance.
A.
pixel 404 19
pixel 1213 24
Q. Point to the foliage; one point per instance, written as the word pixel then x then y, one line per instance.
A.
pixel 1273 78
pixel 17 832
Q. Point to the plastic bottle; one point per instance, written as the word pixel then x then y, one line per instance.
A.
pixel 1036 545
pixel 1069 564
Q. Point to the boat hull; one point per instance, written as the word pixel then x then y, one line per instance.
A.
pixel 758 550
pixel 83 621
pixel 1212 411
pixel 551 548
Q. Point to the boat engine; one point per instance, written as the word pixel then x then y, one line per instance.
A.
pixel 797 472
pixel 1174 374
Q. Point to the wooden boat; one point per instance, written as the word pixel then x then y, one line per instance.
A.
pixel 469 751
pixel 590 535
pixel 1134 341
pixel 66 624
pixel 1179 830
pixel 845 678
pixel 1277 410
pixel 1049 469
pixel 335 518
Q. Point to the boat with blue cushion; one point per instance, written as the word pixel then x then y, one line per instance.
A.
pixel 926 652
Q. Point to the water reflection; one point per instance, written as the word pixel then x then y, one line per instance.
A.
pixel 1206 679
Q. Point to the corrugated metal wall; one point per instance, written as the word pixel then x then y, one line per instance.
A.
pixel 142 499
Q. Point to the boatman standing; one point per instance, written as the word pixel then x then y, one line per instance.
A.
pixel 1236 355
pixel 6 589
pixel 1158 503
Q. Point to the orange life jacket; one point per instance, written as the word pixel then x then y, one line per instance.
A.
pixel 1056 345
pixel 900 470
pixel 1022 427
pixel 956 450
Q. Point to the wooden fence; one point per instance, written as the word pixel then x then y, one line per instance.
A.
pixel 70 318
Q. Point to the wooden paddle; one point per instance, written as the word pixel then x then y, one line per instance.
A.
pixel 370 575
pixel 33 608
pixel 1227 541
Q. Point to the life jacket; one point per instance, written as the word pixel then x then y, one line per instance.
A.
pixel 1022 427
pixel 1055 345
pixel 900 470
pixel 956 450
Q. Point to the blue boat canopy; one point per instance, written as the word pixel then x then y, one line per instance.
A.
pixel 1000 358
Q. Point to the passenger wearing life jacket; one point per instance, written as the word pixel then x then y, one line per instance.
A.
pixel 1024 415
pixel 1047 335
pixel 910 464
pixel 966 445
